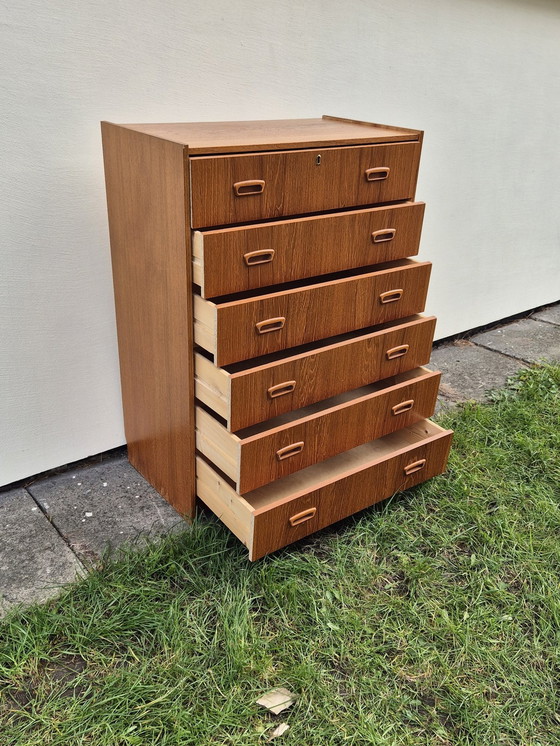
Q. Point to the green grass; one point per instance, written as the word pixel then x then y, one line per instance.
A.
pixel 433 619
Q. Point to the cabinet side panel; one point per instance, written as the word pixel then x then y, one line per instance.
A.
pixel 147 202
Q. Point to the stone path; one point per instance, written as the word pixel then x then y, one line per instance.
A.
pixel 56 527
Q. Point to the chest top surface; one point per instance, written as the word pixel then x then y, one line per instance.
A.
pixel 279 134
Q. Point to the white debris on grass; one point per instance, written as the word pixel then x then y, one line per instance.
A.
pixel 277 700
pixel 279 730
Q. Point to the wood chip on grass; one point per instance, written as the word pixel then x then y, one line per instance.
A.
pixel 277 700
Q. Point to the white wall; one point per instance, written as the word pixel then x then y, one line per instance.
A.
pixel 480 77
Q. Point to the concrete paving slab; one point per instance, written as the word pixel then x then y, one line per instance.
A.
pixel 526 339
pixel 35 562
pixel 100 507
pixel 550 314
pixel 469 371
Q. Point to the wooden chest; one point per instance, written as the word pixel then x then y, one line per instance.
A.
pixel 268 320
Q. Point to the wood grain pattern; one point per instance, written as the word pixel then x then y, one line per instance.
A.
pixel 336 488
pixel 313 311
pixel 303 247
pixel 146 197
pixel 339 498
pixel 295 184
pixel 320 370
pixel 279 134
pixel 250 457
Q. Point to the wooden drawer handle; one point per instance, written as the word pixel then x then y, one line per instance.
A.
pixel 414 467
pixel 288 451
pixel 377 174
pixel 258 257
pixel 391 296
pixel 396 352
pixel 305 515
pixel 403 407
pixel 280 389
pixel 270 325
pixel 247 188
pixel 387 234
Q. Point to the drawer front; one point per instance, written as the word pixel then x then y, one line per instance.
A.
pixel 252 327
pixel 260 393
pixel 232 260
pixel 300 516
pixel 275 453
pixel 240 188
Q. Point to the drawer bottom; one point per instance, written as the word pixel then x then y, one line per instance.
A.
pixel 280 513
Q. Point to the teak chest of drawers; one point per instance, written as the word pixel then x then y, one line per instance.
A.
pixel 267 313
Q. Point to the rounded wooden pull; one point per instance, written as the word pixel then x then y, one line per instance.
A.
pixel 396 352
pixel 247 188
pixel 377 174
pixel 305 515
pixel 280 389
pixel 414 467
pixel 258 257
pixel 387 234
pixel 403 407
pixel 270 325
pixel 288 451
pixel 391 296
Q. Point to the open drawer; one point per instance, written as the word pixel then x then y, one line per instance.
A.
pixel 261 323
pixel 244 257
pixel 287 510
pixel 250 392
pixel 263 453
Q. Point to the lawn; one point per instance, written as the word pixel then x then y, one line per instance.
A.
pixel 432 619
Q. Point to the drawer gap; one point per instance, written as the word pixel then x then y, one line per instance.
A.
pixel 202 457
pixel 211 412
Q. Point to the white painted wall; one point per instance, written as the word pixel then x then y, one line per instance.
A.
pixel 481 77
